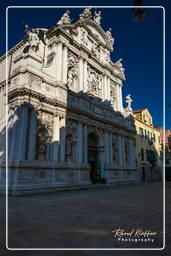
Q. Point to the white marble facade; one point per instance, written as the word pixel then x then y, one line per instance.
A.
pixel 65 108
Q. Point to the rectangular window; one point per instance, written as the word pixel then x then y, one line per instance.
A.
pixel 142 154
pixel 140 131
pixel 145 134
pixel 148 135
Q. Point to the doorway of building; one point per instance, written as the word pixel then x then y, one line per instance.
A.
pixel 143 173
pixel 93 157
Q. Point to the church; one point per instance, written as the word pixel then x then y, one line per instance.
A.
pixel 64 121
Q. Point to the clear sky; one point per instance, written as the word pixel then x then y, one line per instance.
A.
pixel 139 44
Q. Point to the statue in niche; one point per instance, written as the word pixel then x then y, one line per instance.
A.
pixel 94 82
pixel 95 50
pixel 109 34
pixel 126 152
pixel 41 146
pixel 113 96
pixel 97 17
pixel 129 101
pixel 86 14
pixel 65 19
pixel 115 149
pixel 69 148
pixel 72 72
pixel 84 37
pixel 106 56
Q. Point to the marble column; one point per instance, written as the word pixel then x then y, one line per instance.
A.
pixel 85 76
pixel 120 103
pixel 110 148
pixel 85 144
pixel 106 148
pixel 9 128
pixel 123 148
pixel 59 62
pixel 130 153
pixel 13 142
pixel 79 142
pixel 120 148
pixel 62 138
pixel 121 155
pixel 80 74
pixel 32 135
pixel 23 133
pixel 55 138
pixel 134 154
pixel 105 88
pixel 108 88
pixel 64 66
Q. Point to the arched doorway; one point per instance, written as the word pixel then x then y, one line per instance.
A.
pixel 93 156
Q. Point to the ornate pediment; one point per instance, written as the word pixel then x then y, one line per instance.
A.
pixel 96 33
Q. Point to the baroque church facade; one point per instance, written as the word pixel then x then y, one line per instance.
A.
pixel 65 110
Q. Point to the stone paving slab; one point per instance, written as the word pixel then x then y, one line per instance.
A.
pixel 85 218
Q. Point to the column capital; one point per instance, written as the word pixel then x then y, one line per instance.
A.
pixel 58 114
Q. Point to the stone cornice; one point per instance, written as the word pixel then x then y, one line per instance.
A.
pixel 27 94
pixel 14 49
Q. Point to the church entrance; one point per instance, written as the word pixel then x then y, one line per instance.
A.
pixel 93 157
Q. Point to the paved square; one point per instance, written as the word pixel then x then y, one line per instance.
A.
pixel 86 218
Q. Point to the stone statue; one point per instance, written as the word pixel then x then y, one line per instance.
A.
pixel 120 66
pixel 84 37
pixel 69 148
pixel 106 56
pixel 97 17
pixel 113 96
pixel 94 82
pixel 65 19
pixel 86 14
pixel 95 50
pixel 129 101
pixel 72 71
pixel 109 34
pixel 42 135
pixel 32 38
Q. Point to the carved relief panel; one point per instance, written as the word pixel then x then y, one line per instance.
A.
pixel 71 138
pixel 72 76
pixel 94 82
pixel 113 96
pixel 43 135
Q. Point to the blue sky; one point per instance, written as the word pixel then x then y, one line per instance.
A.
pixel 139 44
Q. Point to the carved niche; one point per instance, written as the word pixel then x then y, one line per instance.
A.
pixel 71 137
pixel 95 50
pixel 84 36
pixel 115 148
pixel 42 138
pixel 72 76
pixel 126 147
pixel 113 96
pixel 43 135
pixel 94 82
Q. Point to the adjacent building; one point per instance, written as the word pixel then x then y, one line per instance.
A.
pixel 65 109
pixel 148 146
